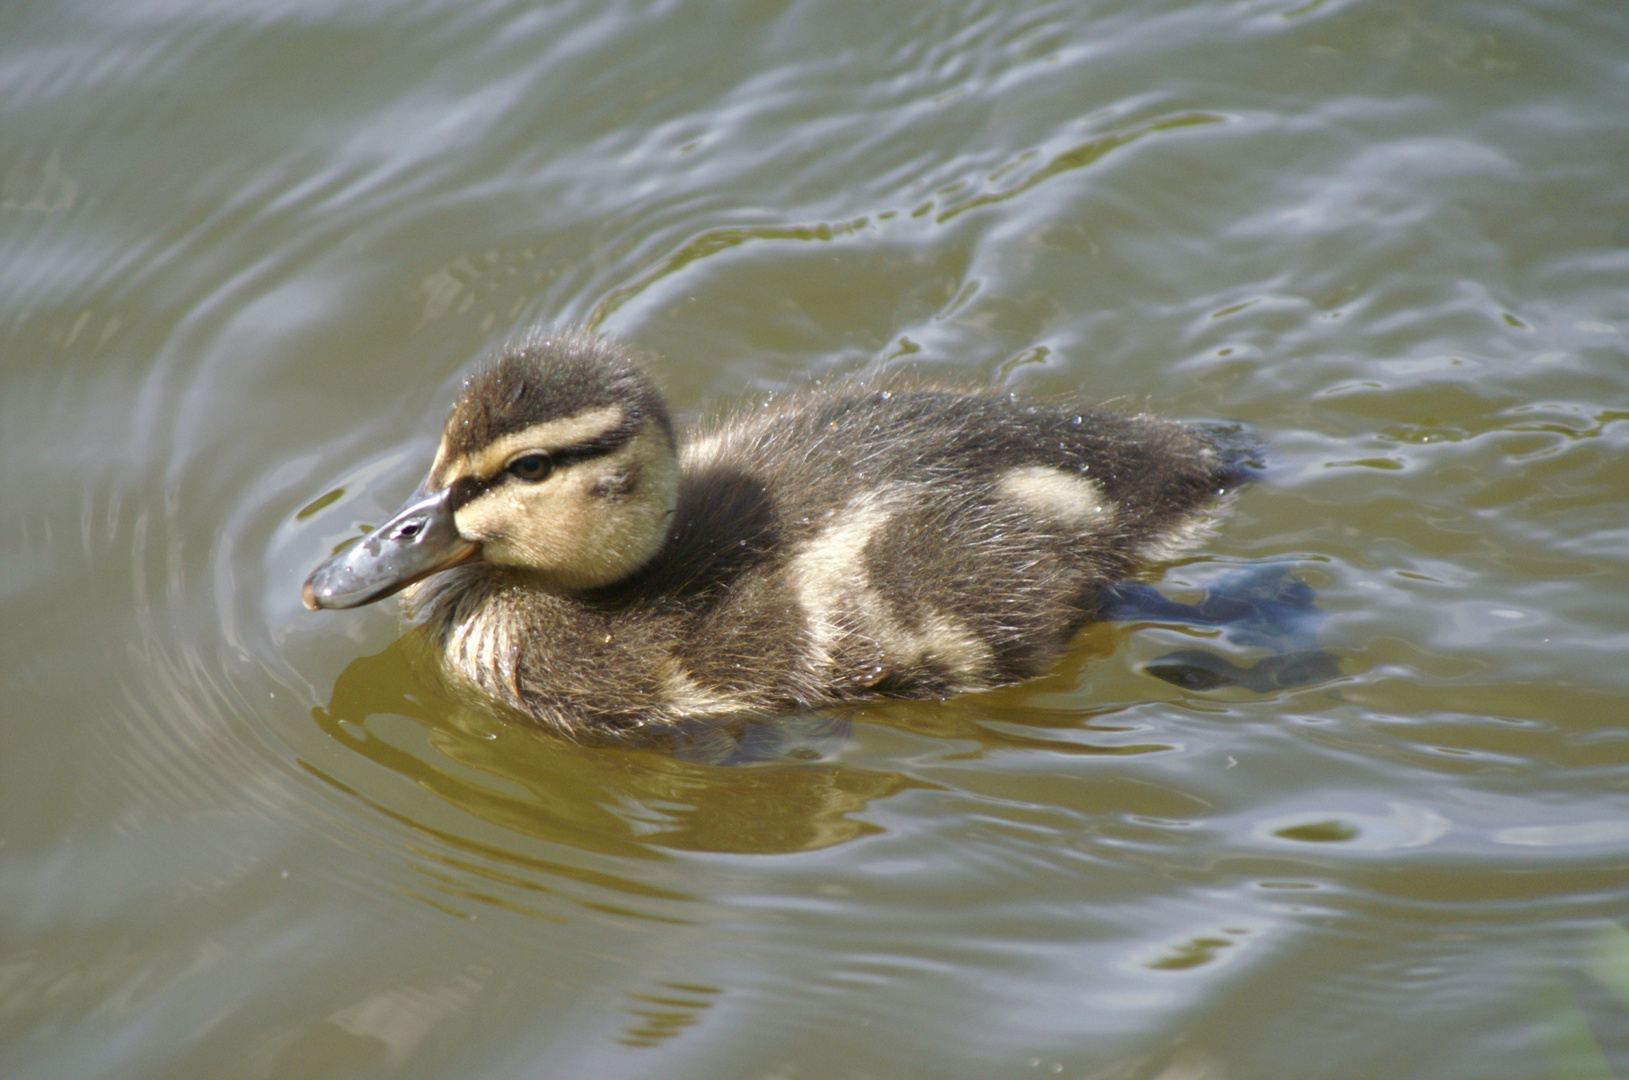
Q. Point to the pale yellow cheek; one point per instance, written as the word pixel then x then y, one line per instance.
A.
pixel 573 528
pixel 541 526
pixel 491 519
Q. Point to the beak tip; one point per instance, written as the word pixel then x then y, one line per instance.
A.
pixel 419 540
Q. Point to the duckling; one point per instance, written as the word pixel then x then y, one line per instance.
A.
pixel 579 564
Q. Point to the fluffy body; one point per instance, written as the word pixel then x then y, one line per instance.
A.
pixel 850 542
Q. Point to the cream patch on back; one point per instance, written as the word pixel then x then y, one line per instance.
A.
pixel 706 451
pixel 1059 495
pixel 736 444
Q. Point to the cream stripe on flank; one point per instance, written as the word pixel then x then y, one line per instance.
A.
pixel 829 572
pixel 838 599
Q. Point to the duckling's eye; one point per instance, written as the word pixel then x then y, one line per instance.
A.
pixel 531 467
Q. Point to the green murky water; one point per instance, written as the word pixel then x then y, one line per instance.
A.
pixel 247 249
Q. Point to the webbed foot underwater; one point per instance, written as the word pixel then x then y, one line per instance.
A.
pixel 578 562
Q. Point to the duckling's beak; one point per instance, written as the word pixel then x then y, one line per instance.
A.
pixel 420 539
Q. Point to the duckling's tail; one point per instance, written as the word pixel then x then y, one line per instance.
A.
pixel 1241 452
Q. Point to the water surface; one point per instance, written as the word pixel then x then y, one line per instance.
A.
pixel 247 252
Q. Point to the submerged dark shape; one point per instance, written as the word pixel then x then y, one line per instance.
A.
pixel 1256 607
pixel 576 563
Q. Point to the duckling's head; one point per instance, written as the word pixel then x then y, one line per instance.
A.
pixel 557 459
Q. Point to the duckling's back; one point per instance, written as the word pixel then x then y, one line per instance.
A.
pixel 903 543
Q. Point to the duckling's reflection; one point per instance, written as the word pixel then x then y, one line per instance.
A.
pixel 615 800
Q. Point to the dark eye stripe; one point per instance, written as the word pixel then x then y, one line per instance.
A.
pixel 600 445
pixel 466 488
